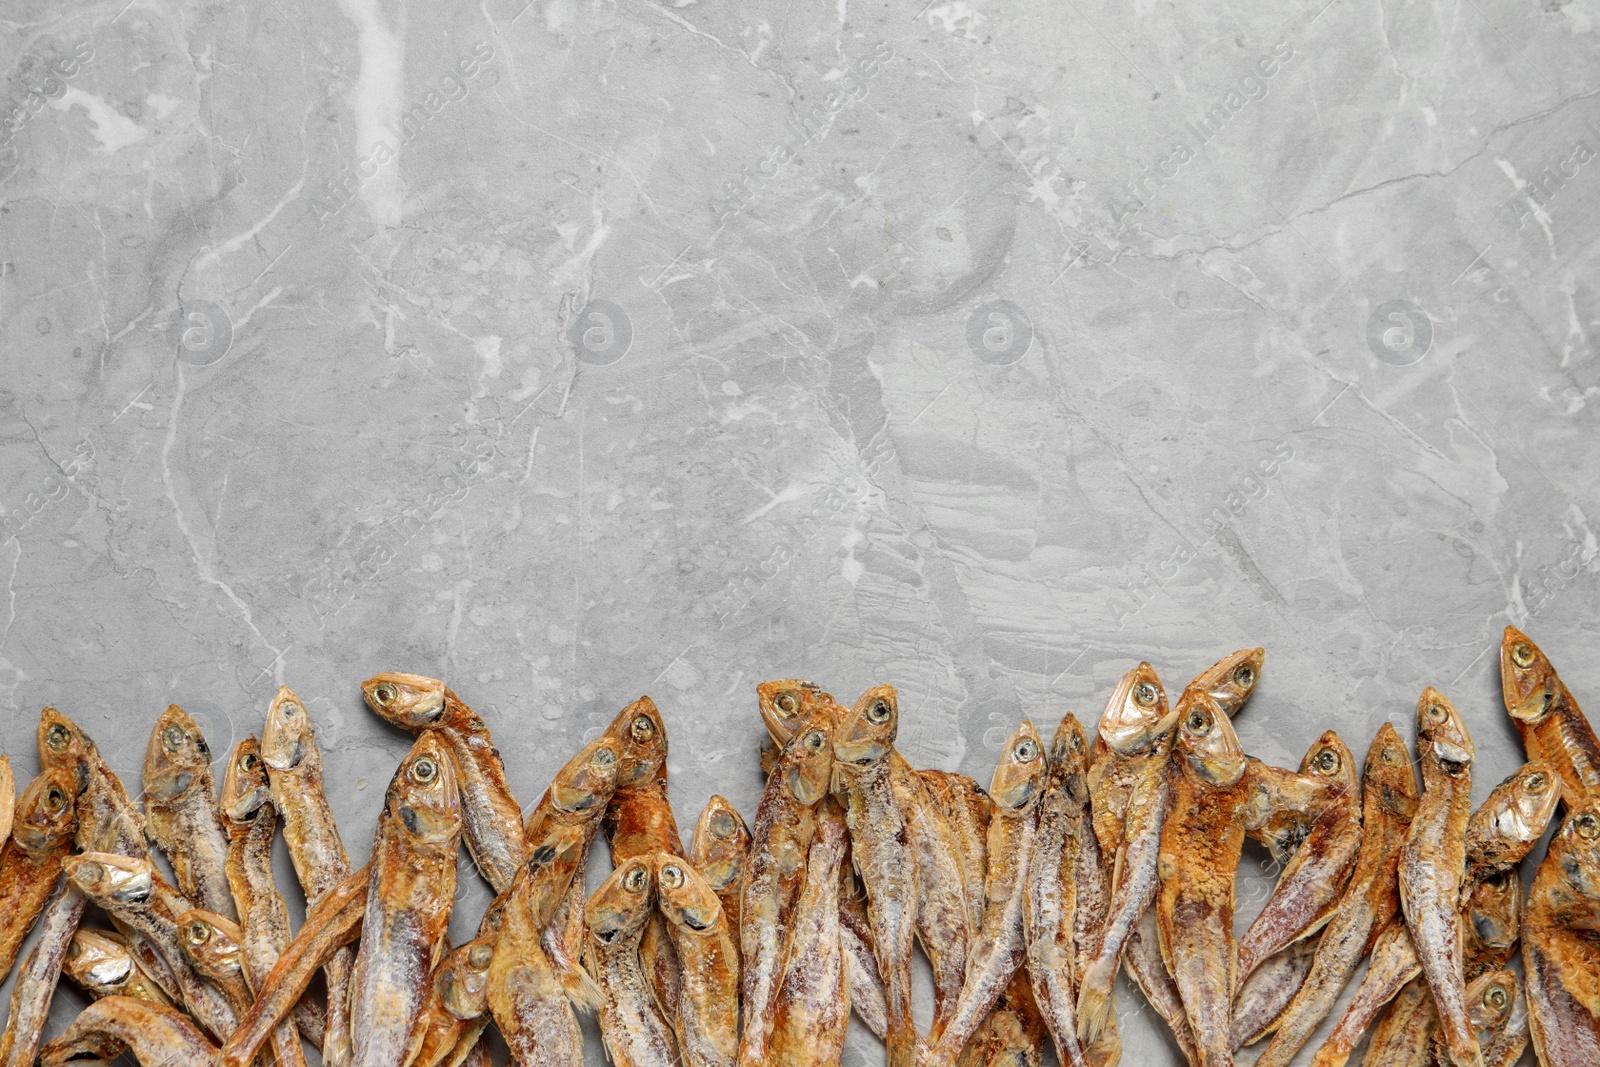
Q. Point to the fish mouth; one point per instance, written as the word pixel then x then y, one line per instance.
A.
pixel 1454 758
pixel 1534 706
pixel 248 804
pixel 859 753
pixel 694 921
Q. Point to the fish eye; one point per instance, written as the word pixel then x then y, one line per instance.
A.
pixel 385 694
pixel 815 740
pixel 424 771
pixel 722 825
pixel 1027 750
pixel 1199 723
pixel 89 872
pixel 602 758
pixel 480 956
pixel 1244 676
pixel 635 880
pixel 1536 783
pixel 55 799
pixel 1587 825
pixel 74 949
pixel 671 876
pixel 1436 713
pixel 172 737
pixel 1495 997
pixel 878 712
pixel 199 933
pixel 787 703
pixel 1521 655
pixel 1145 695
pixel 248 761
pixel 1328 761
pixel 56 737
pixel 643 729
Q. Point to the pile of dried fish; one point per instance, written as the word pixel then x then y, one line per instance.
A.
pixel 755 944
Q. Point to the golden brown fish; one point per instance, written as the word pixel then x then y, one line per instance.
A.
pixel 1307 892
pixel 30 862
pixel 1506 825
pixel 1370 900
pixel 720 852
pixel 99 962
pixel 8 798
pixel 157 1035
pixel 633 1028
pixel 215 947
pixel 1433 866
pixel 967 809
pixel 1131 791
pixel 1201 843
pixel 1561 944
pixel 35 983
pixel 1231 679
pixel 1267 992
pixel 1505 1048
pixel 522 991
pixel 785 820
pixel 294 770
pixel 412 889
pixel 458 1004
pixel 785 704
pixel 880 842
pixel 107 820
pixel 490 815
pixel 862 978
pixel 1552 725
pixel 708 1008
pixel 814 1001
pixel 180 810
pixel 999 948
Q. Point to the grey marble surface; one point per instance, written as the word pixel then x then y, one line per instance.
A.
pixel 571 351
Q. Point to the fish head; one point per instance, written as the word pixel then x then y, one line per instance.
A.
pixel 107 878
pixel 865 734
pixel 1329 759
pixel 642 734
pixel 45 816
pixel 1069 758
pixel 1490 998
pixel 1232 679
pixel 1528 681
pixel 177 756
pixel 589 779
pixel 212 942
pixel 1019 774
pixel 63 744
pixel 1388 777
pixel 424 794
pixel 1136 714
pixel 462 980
pixel 244 784
pixel 787 703
pixel 289 734
pixel 685 898
pixel 1206 743
pixel 721 843
pixel 1516 813
pixel 623 902
pixel 1442 732
pixel 410 701
pixel 1494 908
pixel 97 960
pixel 807 760
pixel 1579 844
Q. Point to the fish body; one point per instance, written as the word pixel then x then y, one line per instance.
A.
pixel 1507 825
pixel 180 810
pixel 99 962
pixel 1371 897
pixel 1433 866
pixel 522 991
pixel 1560 946
pixel 720 853
pixel 814 1000
pixel 1264 995
pixel 458 1004
pixel 1552 725
pixel 43 831
pixel 708 1008
pixel 411 889
pixel 490 816
pixel 157 1035
pixel 635 1032
pixel 881 846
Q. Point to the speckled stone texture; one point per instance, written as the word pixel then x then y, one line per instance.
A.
pixel 572 351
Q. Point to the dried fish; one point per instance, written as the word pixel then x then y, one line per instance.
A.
pixel 1230 681
pixel 708 1011
pixel 215 947
pixel 458 1004
pixel 30 862
pixel 412 889
pixel 157 1035
pixel 1264 995
pixel 1560 952
pixel 180 810
pixel 8 798
pixel 1552 725
pixel 490 815
pixel 720 853
pixel 785 704
pixel 522 991
pixel 634 1030
pixel 35 984
pixel 99 961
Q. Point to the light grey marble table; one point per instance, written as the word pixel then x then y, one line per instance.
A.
pixel 572 351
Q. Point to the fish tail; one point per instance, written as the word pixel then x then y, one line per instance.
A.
pixel 1094 1003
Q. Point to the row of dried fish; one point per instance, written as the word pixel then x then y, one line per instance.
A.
pixel 756 943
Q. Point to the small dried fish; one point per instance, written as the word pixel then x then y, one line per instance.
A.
pixel 1505 826
pixel 1131 792
pixel 180 810
pixel 99 961
pixel 215 947
pixel 1560 952
pixel 1433 866
pixel 999 948
pixel 1230 681
pixel 1264 995
pixel 522 991
pixel 635 1033
pixel 1370 900
pixel 30 862
pixel 107 820
pixel 490 814
pixel 708 1008
pixel 720 853
pixel 156 1034
pixel 458 1004
pixel 1552 725
pixel 814 1002
pixel 412 889
pixel 294 771
pixel 862 978
pixel 1143 962
pixel 785 820
pixel 785 704
pixel 8 798
pixel 1505 1048
pixel 1404 1036
pixel 35 984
